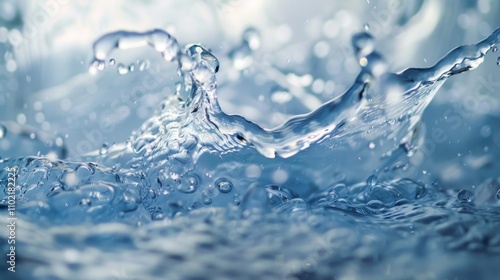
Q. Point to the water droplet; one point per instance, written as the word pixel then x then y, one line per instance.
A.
pixel 498 60
pixel 122 69
pixel 366 27
pixel 371 145
pixel 494 49
pixel 131 67
pixel 498 194
pixel 98 65
pixel 207 200
pixel 104 149
pixel 252 38
pixel 112 62
pixel 280 95
pixel 465 196
pixel 143 65
pixel 59 142
pixel 3 131
pixel 363 44
pixel 224 185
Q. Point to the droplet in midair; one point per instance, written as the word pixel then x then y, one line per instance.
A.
pixel 280 95
pixel 122 69
pixel 251 37
pixel 143 65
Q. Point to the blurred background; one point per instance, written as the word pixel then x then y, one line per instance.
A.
pixel 278 58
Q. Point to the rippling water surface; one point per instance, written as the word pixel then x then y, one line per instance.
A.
pixel 290 145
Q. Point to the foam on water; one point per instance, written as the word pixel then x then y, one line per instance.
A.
pixel 201 194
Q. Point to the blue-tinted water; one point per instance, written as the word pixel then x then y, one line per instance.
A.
pixel 298 181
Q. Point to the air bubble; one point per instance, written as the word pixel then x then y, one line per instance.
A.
pixel 236 199
pixel 494 49
pixel 189 186
pixel 465 196
pixel 375 204
pixel 207 200
pixel 224 185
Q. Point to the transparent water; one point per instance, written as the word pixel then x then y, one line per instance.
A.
pixel 344 184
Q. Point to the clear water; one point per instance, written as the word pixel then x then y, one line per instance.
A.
pixel 198 193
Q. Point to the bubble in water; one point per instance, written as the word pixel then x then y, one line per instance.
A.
pixel 375 204
pixel 236 199
pixel 112 62
pixel 224 185
pixel 207 200
pixel 366 27
pixel 494 49
pixel 3 131
pixel 465 196
pixel 189 186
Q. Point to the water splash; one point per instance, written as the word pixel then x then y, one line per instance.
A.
pixel 192 160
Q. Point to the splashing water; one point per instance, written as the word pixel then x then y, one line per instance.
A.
pixel 196 190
